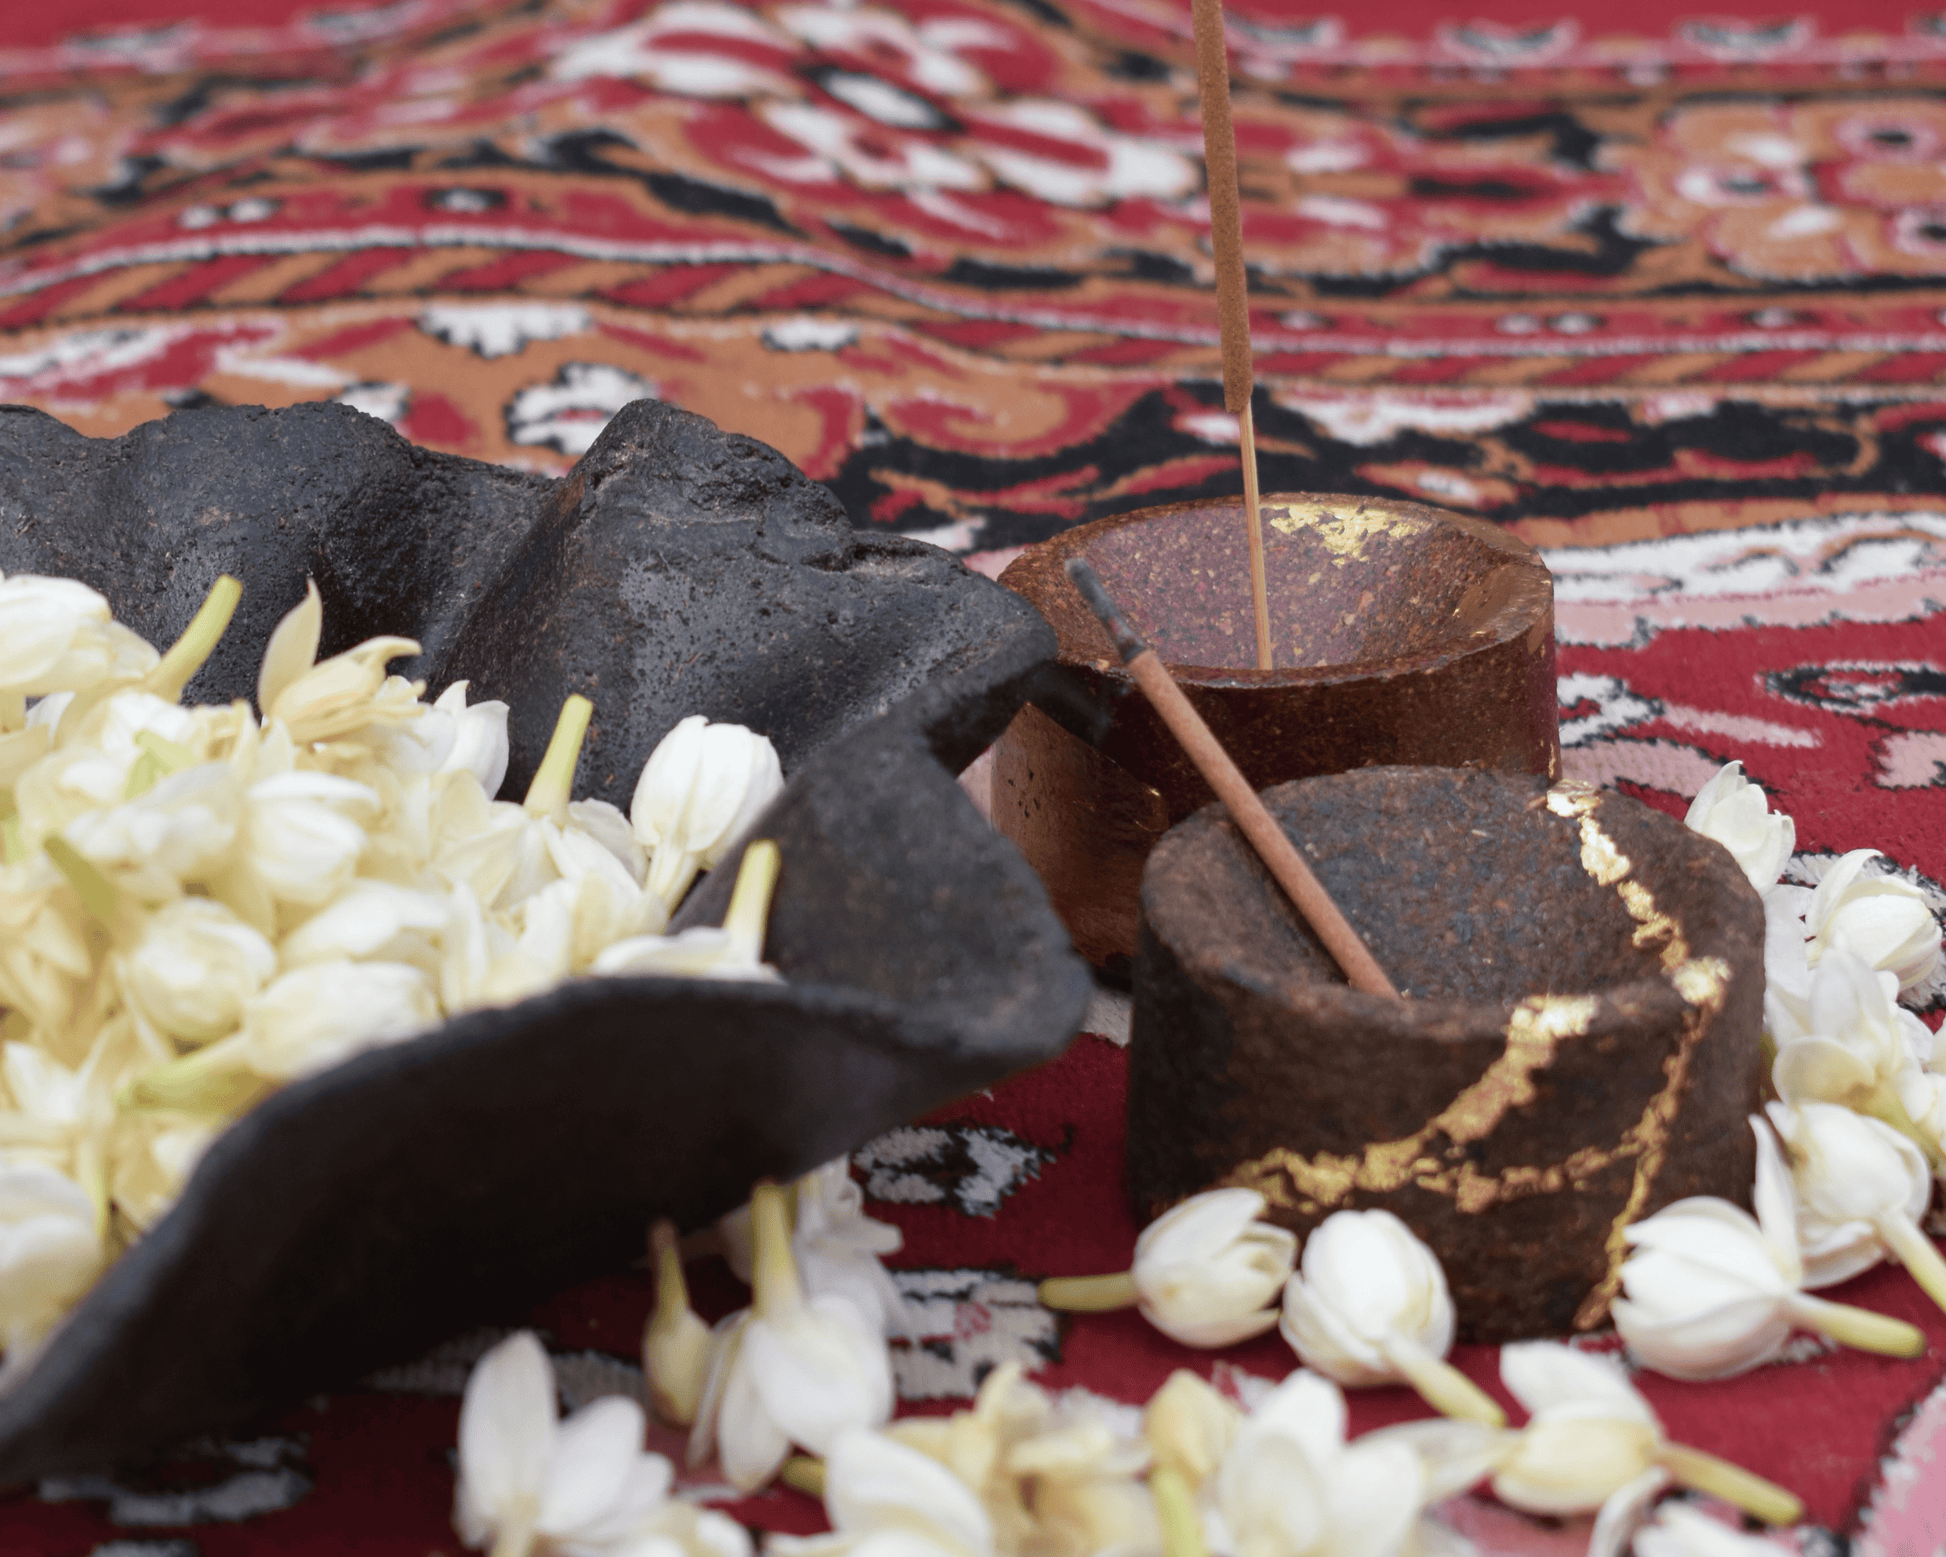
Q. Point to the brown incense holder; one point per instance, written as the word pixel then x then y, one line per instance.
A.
pixel 1403 634
pixel 1580 1046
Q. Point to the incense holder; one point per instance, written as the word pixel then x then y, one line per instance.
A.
pixel 1579 1048
pixel 1402 634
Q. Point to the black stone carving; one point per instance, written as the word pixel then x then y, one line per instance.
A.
pixel 358 1216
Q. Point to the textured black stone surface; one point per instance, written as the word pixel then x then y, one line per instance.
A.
pixel 678 569
pixel 356 1217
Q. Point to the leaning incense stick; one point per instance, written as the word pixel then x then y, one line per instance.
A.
pixel 1232 301
pixel 1233 789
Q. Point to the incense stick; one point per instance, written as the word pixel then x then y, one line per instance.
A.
pixel 1253 820
pixel 1232 296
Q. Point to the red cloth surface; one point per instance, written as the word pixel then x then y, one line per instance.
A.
pixel 1664 289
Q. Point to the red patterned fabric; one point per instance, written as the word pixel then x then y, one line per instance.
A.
pixel 1597 278
pixel 1665 291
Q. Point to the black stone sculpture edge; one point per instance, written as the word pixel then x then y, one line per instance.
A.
pixel 358 1216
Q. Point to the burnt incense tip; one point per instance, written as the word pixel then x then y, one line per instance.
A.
pixel 1106 611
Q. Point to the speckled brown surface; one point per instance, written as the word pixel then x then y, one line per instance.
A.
pixel 1580 1049
pixel 1403 635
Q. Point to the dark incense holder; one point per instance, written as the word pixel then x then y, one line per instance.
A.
pixel 1402 634
pixel 1580 1045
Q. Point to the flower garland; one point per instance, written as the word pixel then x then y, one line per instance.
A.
pixel 198 906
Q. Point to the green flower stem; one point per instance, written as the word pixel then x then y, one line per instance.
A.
pixel 1089 1294
pixel 1736 1486
pixel 97 893
pixel 774 1288
pixel 671 1284
pixel 516 1540
pixel 1859 1327
pixel 1915 1251
pixel 143 775
pixel 1441 1385
pixel 159 759
pixel 91 1173
pixel 1175 1511
pixel 198 641
pixel 172 756
pixel 803 1474
pixel 749 909
pixel 214 1082
pixel 553 785
pixel 674 1342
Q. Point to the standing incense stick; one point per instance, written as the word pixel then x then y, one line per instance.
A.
pixel 1233 789
pixel 1232 300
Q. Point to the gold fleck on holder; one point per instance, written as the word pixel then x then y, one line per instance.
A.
pixel 1581 1045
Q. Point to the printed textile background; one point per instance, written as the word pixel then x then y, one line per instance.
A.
pixel 1662 290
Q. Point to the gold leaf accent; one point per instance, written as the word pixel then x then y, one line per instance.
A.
pixel 1534 1033
pixel 1573 798
pixel 1344 535
pixel 1600 857
pixel 1702 984
pixel 1538 1025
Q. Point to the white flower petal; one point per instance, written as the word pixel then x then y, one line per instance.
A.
pixel 1623 1511
pixel 1820 1070
pixel 1711 1343
pixel 1325 1341
pixel 479 738
pixel 1572 1465
pixel 1454 1454
pixel 1200 1228
pixel 749 1442
pixel 1372 1498
pixel 315 1016
pixel 594 1451
pixel 1366 1279
pixel 49 1249
pixel 1308 1410
pixel 1881 919
pixel 1270 1495
pixel 820 1371
pixel 1546 1376
pixel 507 1429
pixel 1776 1201
pixel 874 1483
pixel 194 968
pixel 600 1485
pixel 363 922
pixel 1206 1269
pixel 1848 1167
pixel 1682 1531
pixel 1735 812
